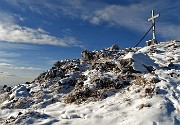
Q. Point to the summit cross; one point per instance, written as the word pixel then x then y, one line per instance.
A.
pixel 153 24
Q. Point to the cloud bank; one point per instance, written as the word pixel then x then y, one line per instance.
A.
pixel 6 74
pixel 11 32
pixel 10 66
pixel 18 34
pixel 134 17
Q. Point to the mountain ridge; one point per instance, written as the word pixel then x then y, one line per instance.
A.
pixel 112 83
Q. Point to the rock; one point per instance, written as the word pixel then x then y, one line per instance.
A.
pixel 128 50
pixel 58 64
pixel 21 103
pixel 170 59
pixel 21 91
pixel 149 90
pixel 99 90
pixel 4 96
pixel 114 47
pixel 153 80
pixel 4 86
pixel 87 55
pixel 124 63
pixel 140 61
pixel 141 106
pixel 10 120
pixel 149 68
pixel 20 113
pixel 140 80
pixel 171 64
pixel 107 66
pixel 8 89
pixel 27 83
pixel 70 98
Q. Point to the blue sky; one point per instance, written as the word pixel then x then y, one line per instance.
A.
pixel 34 34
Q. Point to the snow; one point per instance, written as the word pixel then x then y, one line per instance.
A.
pixel 20 91
pixel 129 105
pixel 140 59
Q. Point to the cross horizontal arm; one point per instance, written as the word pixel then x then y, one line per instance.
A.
pixel 150 19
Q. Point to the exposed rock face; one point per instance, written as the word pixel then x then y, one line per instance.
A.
pixel 101 88
pixel 4 86
pixel 87 55
pixel 125 63
pixel 114 47
pixel 139 62
pixel 61 70
pixel 107 66
pixel 105 53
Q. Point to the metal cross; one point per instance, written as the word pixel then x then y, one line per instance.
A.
pixel 153 24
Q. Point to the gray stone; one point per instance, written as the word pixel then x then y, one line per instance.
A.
pixel 87 55
pixel 114 47
pixel 125 63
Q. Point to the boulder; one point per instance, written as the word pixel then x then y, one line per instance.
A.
pixel 8 89
pixel 125 63
pixel 58 64
pixel 87 55
pixel 4 86
pixel 114 47
pixel 141 62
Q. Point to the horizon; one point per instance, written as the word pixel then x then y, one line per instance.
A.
pixel 36 34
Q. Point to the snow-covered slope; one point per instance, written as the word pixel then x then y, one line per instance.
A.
pixel 139 86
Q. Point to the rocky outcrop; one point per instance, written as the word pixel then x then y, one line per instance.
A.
pixel 95 77
pixel 87 55
pixel 101 87
pixel 124 63
pixel 114 47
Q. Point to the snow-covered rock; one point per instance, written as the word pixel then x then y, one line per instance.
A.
pixel 140 61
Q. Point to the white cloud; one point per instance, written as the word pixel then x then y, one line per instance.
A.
pixel 12 78
pixel 7 17
pixel 95 20
pixel 5 65
pixel 19 17
pixel 4 60
pixel 18 34
pixel 26 68
pixel 46 7
pixel 10 31
pixel 169 31
pixel 6 74
pixel 8 54
pixel 131 17
pixel 135 17
pixel 11 66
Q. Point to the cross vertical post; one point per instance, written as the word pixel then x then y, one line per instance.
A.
pixel 153 25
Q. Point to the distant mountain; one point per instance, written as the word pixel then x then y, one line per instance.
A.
pixel 110 86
